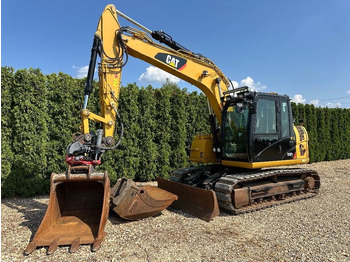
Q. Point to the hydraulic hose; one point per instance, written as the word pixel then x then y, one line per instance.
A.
pixel 121 46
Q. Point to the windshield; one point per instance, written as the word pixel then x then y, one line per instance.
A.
pixel 235 121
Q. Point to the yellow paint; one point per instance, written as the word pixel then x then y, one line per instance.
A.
pixel 141 46
pixel 109 76
pixel 256 165
pixel 202 150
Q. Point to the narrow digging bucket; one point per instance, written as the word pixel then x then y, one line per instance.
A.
pixel 77 211
pixel 132 202
pixel 198 202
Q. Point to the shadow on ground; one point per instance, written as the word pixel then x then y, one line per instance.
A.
pixel 32 210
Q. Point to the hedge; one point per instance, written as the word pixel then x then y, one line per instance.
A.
pixel 41 112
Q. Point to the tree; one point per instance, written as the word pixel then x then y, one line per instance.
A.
pixel 342 127
pixel 30 133
pixel 198 117
pixel 178 155
pixel 346 133
pixel 162 131
pixel 125 160
pixel 311 125
pixel 328 133
pixel 7 79
pixel 322 134
pixel 147 123
pixel 64 105
pixel 295 112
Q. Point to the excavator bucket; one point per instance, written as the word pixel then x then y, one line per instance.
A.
pixel 77 211
pixel 132 202
pixel 198 202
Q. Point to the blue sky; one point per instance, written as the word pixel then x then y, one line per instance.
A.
pixel 300 48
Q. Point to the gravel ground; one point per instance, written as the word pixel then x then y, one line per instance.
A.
pixel 317 229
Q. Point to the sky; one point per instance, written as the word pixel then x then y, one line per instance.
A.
pixel 300 48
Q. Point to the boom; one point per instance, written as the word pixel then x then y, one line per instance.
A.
pixel 117 42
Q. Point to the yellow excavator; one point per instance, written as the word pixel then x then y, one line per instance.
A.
pixel 252 134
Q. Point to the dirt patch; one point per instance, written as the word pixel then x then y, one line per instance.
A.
pixel 316 229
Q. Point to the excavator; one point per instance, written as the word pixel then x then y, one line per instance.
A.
pixel 241 164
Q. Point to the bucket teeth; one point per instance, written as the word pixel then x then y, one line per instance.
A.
pixel 30 248
pixel 75 245
pixel 77 211
pixel 96 245
pixel 53 247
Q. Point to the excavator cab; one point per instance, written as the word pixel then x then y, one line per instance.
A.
pixel 257 128
pixel 256 131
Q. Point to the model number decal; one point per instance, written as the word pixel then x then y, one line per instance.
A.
pixel 172 60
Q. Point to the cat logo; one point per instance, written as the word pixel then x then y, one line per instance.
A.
pixel 171 60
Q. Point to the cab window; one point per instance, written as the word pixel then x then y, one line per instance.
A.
pixel 266 122
pixel 235 131
pixel 285 119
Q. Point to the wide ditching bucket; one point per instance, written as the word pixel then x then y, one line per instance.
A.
pixel 198 202
pixel 134 202
pixel 77 211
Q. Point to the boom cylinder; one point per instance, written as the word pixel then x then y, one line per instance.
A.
pixel 92 64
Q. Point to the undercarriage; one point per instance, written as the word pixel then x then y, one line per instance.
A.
pixel 241 191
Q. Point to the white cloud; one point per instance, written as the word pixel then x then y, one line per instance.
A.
pixel 299 99
pixel 333 105
pixel 348 92
pixel 315 102
pixel 156 75
pixel 255 86
pixel 81 71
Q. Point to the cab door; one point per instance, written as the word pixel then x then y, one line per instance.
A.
pixel 271 129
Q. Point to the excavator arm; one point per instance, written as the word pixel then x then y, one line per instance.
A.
pixel 173 58
pixel 114 44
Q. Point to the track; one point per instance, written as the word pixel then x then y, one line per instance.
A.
pixel 226 185
pixel 241 191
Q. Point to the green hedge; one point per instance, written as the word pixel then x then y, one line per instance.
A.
pixel 328 129
pixel 41 112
